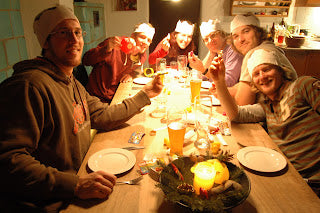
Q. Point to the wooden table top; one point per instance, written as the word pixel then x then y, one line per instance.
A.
pixel 283 191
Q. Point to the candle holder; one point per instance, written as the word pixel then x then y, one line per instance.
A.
pixel 204 175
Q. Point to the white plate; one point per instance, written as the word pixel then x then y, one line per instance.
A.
pixel 206 84
pixel 261 159
pixel 142 80
pixel 215 101
pixel 112 160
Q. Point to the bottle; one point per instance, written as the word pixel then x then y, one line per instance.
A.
pixel 283 23
pixel 272 32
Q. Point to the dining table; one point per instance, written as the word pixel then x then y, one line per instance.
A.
pixel 276 191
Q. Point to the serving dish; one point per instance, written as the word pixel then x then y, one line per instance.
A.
pixel 169 181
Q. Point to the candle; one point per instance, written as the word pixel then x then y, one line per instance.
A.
pixel 204 175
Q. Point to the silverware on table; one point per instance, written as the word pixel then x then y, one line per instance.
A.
pixel 131 182
pixel 133 147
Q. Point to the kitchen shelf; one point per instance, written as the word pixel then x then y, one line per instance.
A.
pixel 261 8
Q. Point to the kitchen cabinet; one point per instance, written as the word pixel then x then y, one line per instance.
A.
pixel 305 62
pixel 307 3
pixel 261 8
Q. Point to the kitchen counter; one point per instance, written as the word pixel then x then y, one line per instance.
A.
pixel 306 59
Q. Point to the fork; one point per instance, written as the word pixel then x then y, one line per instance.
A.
pixel 131 182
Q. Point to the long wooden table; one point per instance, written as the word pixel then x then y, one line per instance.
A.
pixel 283 191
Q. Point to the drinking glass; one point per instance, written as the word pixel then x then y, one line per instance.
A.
pixel 182 61
pixel 176 121
pixel 173 65
pixel 203 114
pixel 195 84
pixel 161 64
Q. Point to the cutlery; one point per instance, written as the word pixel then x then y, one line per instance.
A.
pixel 133 147
pixel 131 182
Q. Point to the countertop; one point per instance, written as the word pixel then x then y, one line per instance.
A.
pixel 308 45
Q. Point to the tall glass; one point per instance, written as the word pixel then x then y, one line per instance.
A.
pixel 195 84
pixel 161 64
pixel 182 61
pixel 176 121
pixel 203 115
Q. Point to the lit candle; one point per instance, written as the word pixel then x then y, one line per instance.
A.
pixel 204 175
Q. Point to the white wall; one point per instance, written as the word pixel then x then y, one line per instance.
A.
pixel 121 23
pixel 28 13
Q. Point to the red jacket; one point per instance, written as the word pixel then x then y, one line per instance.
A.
pixel 108 69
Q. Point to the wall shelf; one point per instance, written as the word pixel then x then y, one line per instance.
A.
pixel 261 8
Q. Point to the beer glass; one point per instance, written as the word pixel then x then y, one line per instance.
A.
pixel 176 122
pixel 195 84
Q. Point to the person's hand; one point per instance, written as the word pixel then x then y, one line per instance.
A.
pixel 217 70
pixel 153 88
pixel 113 43
pixel 95 185
pixel 195 62
pixel 165 44
pixel 126 78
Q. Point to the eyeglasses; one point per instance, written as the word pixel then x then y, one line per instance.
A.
pixel 69 33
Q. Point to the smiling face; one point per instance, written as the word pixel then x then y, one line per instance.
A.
pixel 268 79
pixel 244 39
pixel 183 40
pixel 64 45
pixel 142 41
pixel 215 41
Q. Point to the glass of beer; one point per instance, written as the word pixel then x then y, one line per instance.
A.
pixel 176 121
pixel 195 84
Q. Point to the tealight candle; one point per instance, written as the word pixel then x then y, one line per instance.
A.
pixel 204 175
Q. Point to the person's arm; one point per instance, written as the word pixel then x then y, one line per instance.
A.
pixel 99 53
pixel 108 117
pixel 244 94
pixel 160 51
pixel 217 73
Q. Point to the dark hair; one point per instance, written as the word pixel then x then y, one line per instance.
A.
pixel 175 50
pixel 260 33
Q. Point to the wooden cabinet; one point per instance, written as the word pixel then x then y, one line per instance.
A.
pixel 261 8
pixel 307 3
pixel 305 62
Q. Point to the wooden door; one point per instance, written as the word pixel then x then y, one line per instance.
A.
pixel 164 15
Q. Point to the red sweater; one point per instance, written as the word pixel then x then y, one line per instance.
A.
pixel 108 69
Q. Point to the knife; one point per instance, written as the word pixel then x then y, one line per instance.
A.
pixel 133 147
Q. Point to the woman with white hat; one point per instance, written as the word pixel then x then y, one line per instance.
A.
pixel 178 42
pixel 216 40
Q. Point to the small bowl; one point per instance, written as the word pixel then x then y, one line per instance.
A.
pixel 295 41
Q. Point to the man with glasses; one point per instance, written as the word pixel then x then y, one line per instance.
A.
pixel 45 121
pixel 111 65
pixel 216 40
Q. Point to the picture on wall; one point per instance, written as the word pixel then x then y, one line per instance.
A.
pixel 125 5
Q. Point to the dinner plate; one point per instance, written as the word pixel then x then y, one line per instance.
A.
pixel 142 80
pixel 114 160
pixel 206 84
pixel 261 159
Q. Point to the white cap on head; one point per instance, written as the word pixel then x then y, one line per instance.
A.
pixel 209 27
pixel 242 20
pixel 48 19
pixel 146 29
pixel 184 27
pixel 261 56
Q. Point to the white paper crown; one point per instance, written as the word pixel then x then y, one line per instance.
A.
pixel 146 29
pixel 184 27
pixel 261 56
pixel 208 27
pixel 242 20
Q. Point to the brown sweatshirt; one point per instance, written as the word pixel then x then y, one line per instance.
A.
pixel 45 122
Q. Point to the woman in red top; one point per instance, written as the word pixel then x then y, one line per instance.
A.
pixel 178 42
